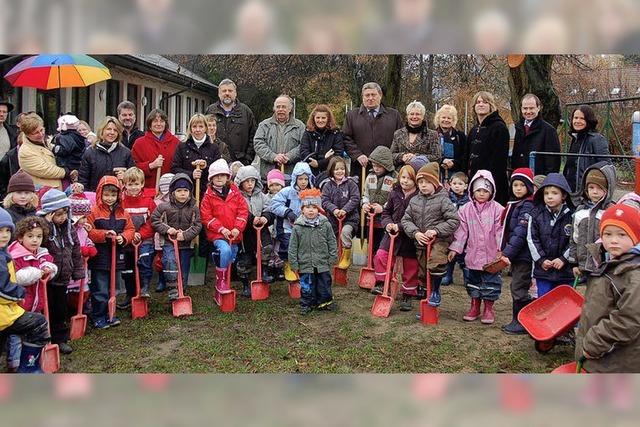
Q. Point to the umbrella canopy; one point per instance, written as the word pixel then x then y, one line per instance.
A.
pixel 57 71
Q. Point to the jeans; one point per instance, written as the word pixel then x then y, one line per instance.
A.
pixel 171 268
pixel 146 253
pixel 14 347
pixel 484 285
pixel 99 288
pixel 225 252
pixel 315 289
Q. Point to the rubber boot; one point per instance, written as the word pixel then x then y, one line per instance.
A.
pixel 222 285
pixel 289 275
pixel 474 311
pixel 405 305
pixel 448 277
pixel 144 289
pixel 434 299
pixel 378 288
pixel 515 328
pixel 30 359
pixel 267 276
pixel 488 317
pixel 246 289
pixel 345 260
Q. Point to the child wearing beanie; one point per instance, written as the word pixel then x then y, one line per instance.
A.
pixel 275 181
pixel 479 236
pixel 608 336
pixel 513 245
pixel 80 209
pixel 431 219
pixel 312 253
pixel 21 199
pixel 599 182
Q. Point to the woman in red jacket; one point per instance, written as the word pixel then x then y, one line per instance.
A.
pixel 224 214
pixel 156 148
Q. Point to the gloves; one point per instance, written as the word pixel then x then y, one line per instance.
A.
pixel 88 251
pixel 291 216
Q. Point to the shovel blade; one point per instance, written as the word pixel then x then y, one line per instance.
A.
pixel 226 302
pixel 428 314
pixel 139 308
pixel 50 358
pixel 259 290
pixel 340 276
pixel 294 290
pixel 367 279
pixel 382 306
pixel 78 326
pixel 112 307
pixel 182 307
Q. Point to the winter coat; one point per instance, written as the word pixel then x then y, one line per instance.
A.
pixel 480 229
pixel 267 145
pixel 181 216
pixel 549 233
pixel 460 149
pixel 258 202
pixel 316 143
pixel 10 293
pixel 489 149
pixel 459 201
pixel 128 138
pixel 8 167
pixel 392 213
pixel 586 218
pixel 18 212
pixel 609 327
pixel 590 142
pixel 64 247
pixel 287 200
pixel 140 208
pixel 513 242
pixel 28 267
pixel 377 188
pixel 362 133
pixel 227 210
pixel 39 162
pixel 148 147
pixel 312 248
pixel 98 161
pixel 188 151
pixel 68 149
pixel 88 250
pixel 541 137
pixel 426 143
pixel 434 212
pixel 12 132
pixel 237 129
pixel 345 196
pixel 104 218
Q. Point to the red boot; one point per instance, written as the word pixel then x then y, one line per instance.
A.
pixel 474 311
pixel 222 285
pixel 487 316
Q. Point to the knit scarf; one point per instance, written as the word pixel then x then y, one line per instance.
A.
pixel 108 148
pixel 312 222
pixel 416 130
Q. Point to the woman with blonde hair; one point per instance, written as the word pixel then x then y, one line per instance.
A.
pixel 106 156
pixel 415 138
pixel 453 141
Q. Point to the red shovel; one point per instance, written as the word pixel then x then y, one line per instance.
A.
pixel 428 313
pixel 50 359
pixel 339 274
pixel 182 305
pixel 367 279
pixel 259 289
pixel 111 305
pixel 382 303
pixel 79 321
pixel 139 305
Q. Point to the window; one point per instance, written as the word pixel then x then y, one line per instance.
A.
pixel 178 127
pixel 148 93
pixel 80 102
pixel 47 105
pixel 113 97
pixel 132 94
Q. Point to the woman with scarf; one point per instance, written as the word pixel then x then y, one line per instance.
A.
pixel 415 138
pixel 453 141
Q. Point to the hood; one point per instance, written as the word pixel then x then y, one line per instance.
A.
pixel 609 172
pixel 246 172
pixel 492 118
pixel 557 180
pixel 107 180
pixel 301 168
pixel 382 155
pixel 635 250
pixel 482 173
pixel 16 250
pixel 177 177
pixel 631 199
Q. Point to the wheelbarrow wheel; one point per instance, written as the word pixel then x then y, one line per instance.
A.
pixel 544 347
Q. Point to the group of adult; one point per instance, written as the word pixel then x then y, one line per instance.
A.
pixel 282 140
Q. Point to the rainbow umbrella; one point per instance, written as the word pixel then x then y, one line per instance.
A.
pixel 57 71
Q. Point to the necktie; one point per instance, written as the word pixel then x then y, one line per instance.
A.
pixel 527 127
pixel 372 113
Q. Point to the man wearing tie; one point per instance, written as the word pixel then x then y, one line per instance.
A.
pixel 367 127
pixel 535 134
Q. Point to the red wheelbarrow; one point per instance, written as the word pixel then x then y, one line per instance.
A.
pixel 551 316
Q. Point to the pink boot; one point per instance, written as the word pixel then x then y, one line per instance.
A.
pixel 474 311
pixel 487 316
pixel 222 285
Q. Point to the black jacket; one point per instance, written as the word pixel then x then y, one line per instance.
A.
pixel 542 137
pixel 315 144
pixel 97 162
pixel 590 142
pixel 129 138
pixel 13 132
pixel 236 130
pixel 69 146
pixel 489 149
pixel 460 149
pixel 8 166
pixel 64 247
pixel 187 152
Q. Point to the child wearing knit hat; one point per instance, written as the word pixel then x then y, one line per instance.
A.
pixel 21 199
pixel 275 181
pixel 312 252
pixel 608 335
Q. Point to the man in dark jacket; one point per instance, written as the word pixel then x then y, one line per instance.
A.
pixel 535 134
pixel 236 122
pixel 127 116
pixel 8 133
pixel 369 126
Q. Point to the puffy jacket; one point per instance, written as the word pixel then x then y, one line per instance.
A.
pixel 392 213
pixel 188 151
pixel 590 142
pixel 181 216
pixel 146 150
pixel 267 145
pixel 237 129
pixel 549 233
pixel 316 143
pixel 362 133
pixel 426 143
pixel 345 196
pixel 434 212
pixel 480 228
pixel 460 149
pixel 39 162
pixel 104 218
pixel 609 327
pixel 68 148
pixel 64 247
pixel 28 269
pixel 227 210
pixel 514 233
pixel 10 293
pixel 312 247
pixel 287 200
pixel 541 137
pixel 99 161
pixel 258 202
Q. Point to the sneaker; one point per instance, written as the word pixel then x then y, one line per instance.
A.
pixel 124 305
pixel 65 348
pixel 305 310
pixel 434 299
pixel 101 324
pixel 405 305
pixel 113 322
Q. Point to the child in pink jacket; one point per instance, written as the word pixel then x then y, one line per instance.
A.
pixel 479 236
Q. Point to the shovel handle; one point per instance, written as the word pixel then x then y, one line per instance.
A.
pixel 428 274
pixel 258 229
pixel 176 251
pixel 136 272
pixel 83 283
pixel 158 175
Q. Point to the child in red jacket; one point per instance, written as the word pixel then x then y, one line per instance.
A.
pixel 224 214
